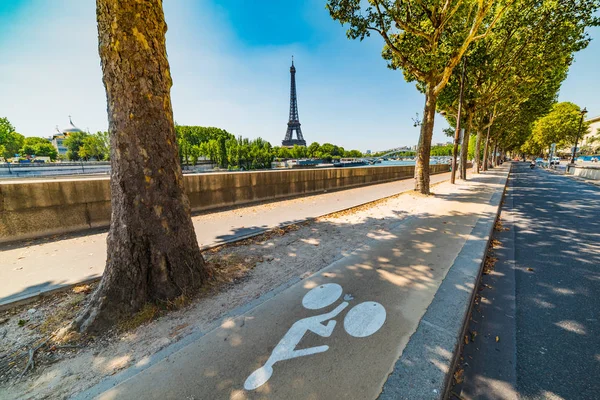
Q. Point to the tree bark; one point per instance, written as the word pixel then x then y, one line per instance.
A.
pixel 477 153
pixel 153 254
pixel 464 148
pixel 485 151
pixel 424 148
pixel 494 157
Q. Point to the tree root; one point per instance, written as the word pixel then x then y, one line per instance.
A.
pixel 32 351
pixel 30 363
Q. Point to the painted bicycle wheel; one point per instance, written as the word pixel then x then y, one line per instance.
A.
pixel 364 319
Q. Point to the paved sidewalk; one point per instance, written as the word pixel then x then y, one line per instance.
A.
pixel 339 333
pixel 33 267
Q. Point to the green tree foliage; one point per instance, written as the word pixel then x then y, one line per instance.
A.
pixel 73 143
pixel 298 151
pixel 445 150
pixel 5 126
pixel 10 141
pixel 353 154
pixel 472 147
pixel 284 152
pixel 37 146
pixel 227 151
pixel 560 126
pixel 95 146
pixel 514 74
pixel 312 149
pixel 243 153
pixel 197 141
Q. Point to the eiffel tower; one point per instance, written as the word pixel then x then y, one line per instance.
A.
pixel 294 122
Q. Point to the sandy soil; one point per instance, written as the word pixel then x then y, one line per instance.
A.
pixel 248 269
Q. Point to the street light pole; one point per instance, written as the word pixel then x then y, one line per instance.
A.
pixel 457 133
pixel 583 112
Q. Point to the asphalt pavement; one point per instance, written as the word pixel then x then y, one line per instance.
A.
pixel 535 333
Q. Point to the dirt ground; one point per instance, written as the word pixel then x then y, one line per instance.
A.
pixel 244 271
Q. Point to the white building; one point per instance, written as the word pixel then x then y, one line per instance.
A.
pixel 593 133
pixel 59 137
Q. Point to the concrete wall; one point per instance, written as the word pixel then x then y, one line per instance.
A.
pixel 30 209
pixel 589 172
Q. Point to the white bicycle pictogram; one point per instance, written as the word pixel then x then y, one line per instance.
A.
pixel 362 320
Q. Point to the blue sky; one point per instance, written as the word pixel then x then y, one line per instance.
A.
pixel 230 65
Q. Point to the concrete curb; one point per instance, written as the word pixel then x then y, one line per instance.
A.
pixel 424 371
pixel 30 298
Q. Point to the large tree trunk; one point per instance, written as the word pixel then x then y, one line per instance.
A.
pixel 464 148
pixel 153 254
pixel 424 148
pixel 477 157
pixel 494 157
pixel 487 153
pixel 485 148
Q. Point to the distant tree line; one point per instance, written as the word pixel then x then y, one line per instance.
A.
pixel 227 151
pixel 87 146
pixel 80 145
pixel 12 143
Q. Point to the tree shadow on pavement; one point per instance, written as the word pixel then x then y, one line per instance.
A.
pixel 552 259
pixel 397 259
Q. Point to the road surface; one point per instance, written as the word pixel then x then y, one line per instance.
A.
pixel 543 299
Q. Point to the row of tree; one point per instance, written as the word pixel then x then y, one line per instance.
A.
pixel 508 56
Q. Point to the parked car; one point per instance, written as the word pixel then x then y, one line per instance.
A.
pixel 539 160
pixel 555 161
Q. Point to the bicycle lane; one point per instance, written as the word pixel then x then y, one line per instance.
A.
pixel 335 335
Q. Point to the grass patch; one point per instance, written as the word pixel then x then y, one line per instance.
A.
pixel 148 313
pixel 63 314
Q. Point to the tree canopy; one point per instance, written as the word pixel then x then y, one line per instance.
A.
pixel 11 142
pixel 515 72
pixel 37 146
pixel 560 126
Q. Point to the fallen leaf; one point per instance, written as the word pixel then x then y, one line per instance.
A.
pixel 529 269
pixel 497 339
pixel 458 375
pixel 466 339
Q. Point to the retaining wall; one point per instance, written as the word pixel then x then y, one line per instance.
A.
pixel 39 208
pixel 589 172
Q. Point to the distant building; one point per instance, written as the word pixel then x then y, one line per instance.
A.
pixel 59 137
pixel 368 152
pixel 294 121
pixel 593 133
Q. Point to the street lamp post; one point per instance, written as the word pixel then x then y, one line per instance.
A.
pixel 583 112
